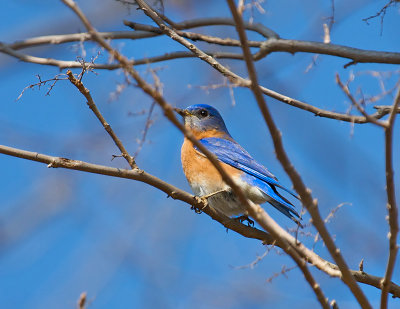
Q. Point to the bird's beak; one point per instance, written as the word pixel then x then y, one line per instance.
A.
pixel 182 112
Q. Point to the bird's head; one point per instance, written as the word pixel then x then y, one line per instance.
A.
pixel 202 118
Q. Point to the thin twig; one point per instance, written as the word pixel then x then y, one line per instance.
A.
pixel 145 130
pixel 346 90
pixel 82 89
pixel 41 82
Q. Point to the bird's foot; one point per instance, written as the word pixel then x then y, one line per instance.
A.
pixel 199 200
pixel 196 210
pixel 243 218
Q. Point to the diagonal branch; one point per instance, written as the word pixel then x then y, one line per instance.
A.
pixel 178 194
pixel 140 175
pixel 86 93
pixel 346 90
pixel 300 187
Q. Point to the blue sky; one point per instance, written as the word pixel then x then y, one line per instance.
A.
pixel 124 243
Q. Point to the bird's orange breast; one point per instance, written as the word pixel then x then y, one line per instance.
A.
pixel 200 171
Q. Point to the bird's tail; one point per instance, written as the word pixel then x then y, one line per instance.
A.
pixel 284 205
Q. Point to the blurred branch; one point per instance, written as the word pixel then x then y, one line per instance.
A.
pixel 273 44
pixel 62 64
pixel 82 301
pixel 234 78
pixel 346 90
pixel 391 202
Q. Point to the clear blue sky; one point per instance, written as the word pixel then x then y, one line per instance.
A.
pixel 124 243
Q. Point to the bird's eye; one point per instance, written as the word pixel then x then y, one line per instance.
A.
pixel 203 113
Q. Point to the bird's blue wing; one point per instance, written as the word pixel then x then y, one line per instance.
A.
pixel 231 153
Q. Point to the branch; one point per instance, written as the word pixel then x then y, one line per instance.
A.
pixel 253 209
pixel 262 217
pixel 62 64
pixel 299 186
pixel 158 98
pixel 310 256
pixel 191 35
pixel 234 78
pixel 391 202
pixel 274 43
pixel 178 194
pixel 86 93
pixel 355 54
pixel 346 90
pixel 140 175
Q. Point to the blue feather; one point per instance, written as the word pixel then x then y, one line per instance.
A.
pixel 230 152
pixel 277 200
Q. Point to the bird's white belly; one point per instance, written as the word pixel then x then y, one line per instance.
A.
pixel 227 202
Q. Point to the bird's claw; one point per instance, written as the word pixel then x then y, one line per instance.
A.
pixel 243 218
pixel 199 200
pixel 196 210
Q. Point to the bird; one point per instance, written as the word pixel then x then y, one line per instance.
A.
pixel 258 184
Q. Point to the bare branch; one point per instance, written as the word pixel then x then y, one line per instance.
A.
pixel 86 93
pixel 299 186
pixel 191 35
pixel 381 13
pixel 346 90
pixel 140 175
pixel 262 216
pixel 146 129
pixel 355 54
pixel 82 301
pixel 178 194
pixel 62 64
pixel 234 78
pixel 41 83
pixel 391 202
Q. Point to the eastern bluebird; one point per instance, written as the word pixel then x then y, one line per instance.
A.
pixel 258 184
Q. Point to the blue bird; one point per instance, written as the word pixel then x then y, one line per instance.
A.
pixel 258 184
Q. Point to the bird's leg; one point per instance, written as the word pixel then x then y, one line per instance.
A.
pixel 205 198
pixel 243 218
pixel 214 193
